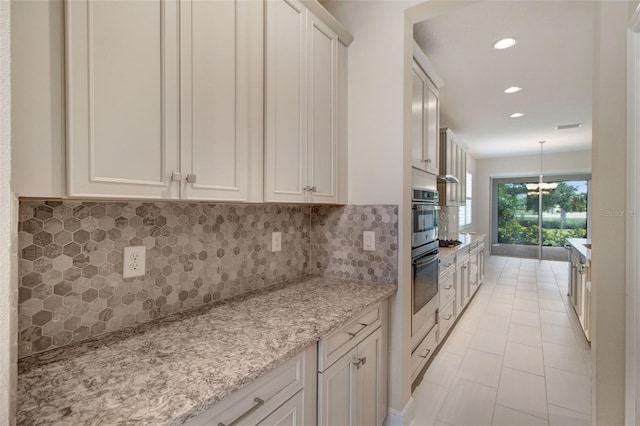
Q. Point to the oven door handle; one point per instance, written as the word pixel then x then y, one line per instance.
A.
pixel 425 207
pixel 430 259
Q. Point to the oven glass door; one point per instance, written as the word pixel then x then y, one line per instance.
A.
pixel 425 224
pixel 425 280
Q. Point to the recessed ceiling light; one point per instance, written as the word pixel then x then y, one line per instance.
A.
pixel 505 43
pixel 516 115
pixel 512 89
pixel 569 126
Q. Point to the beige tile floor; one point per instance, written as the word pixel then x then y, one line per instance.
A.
pixel 517 357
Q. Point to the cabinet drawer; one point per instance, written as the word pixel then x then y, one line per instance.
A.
pixel 445 319
pixel 447 266
pixel 340 342
pixel 447 290
pixel 423 352
pixel 289 413
pixel 256 401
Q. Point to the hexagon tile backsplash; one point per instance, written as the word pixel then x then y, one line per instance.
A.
pixel 71 286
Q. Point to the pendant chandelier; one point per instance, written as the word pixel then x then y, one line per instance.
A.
pixel 541 187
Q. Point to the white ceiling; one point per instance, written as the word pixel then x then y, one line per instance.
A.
pixel 553 63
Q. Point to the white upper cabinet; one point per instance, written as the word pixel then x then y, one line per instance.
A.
pixel 286 110
pixel 221 58
pixel 304 148
pixel 425 107
pixel 122 98
pixel 164 99
pixel 322 113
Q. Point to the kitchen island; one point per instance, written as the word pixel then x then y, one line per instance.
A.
pixel 169 371
pixel 580 281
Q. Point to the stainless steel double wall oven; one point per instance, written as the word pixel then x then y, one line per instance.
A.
pixel 424 259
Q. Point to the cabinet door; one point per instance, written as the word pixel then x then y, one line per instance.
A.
pixel 431 142
pixel 419 125
pixel 122 98
pixel 460 300
pixel 462 284
pixel 322 147
pixel 462 175
pixel 481 263
pixel 467 281
pixel 285 103
pixel 337 404
pixel 288 414
pixel 452 169
pixel 221 50
pixel 370 392
pixel 473 272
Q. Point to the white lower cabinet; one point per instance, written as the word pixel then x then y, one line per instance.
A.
pixel 283 396
pixel 348 389
pixel 352 390
pixel 474 280
pixel 423 352
pixel 462 283
pixel 445 320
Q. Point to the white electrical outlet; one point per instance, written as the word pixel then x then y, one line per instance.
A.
pixel 276 241
pixel 369 240
pixel 133 264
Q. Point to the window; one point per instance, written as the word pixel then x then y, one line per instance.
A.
pixel 464 212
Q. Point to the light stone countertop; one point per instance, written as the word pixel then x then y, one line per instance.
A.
pixel 579 245
pixel 170 370
pixel 465 238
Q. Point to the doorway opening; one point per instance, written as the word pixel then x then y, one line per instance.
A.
pixel 517 215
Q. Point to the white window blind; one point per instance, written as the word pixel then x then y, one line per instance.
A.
pixel 464 212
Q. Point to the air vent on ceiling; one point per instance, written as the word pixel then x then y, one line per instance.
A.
pixel 569 126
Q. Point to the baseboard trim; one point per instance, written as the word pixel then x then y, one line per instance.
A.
pixel 401 418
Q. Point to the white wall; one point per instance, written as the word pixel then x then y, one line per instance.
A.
pixel 37 65
pixel 8 339
pixel 609 232
pixel 528 165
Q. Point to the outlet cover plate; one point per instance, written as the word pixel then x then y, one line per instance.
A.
pixel 369 240
pixel 133 262
pixel 276 241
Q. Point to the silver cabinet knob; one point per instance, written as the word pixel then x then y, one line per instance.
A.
pixel 191 178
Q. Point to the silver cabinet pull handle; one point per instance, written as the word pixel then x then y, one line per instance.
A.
pixel 448 317
pixel 257 402
pixel 360 362
pixel 357 332
pixel 425 354
pixel 191 178
pixel 448 288
pixel 313 189
pixel 176 176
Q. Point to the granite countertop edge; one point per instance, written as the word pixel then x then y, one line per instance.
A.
pixel 266 315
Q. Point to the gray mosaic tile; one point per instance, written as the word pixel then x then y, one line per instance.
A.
pixel 71 285
pixel 337 246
